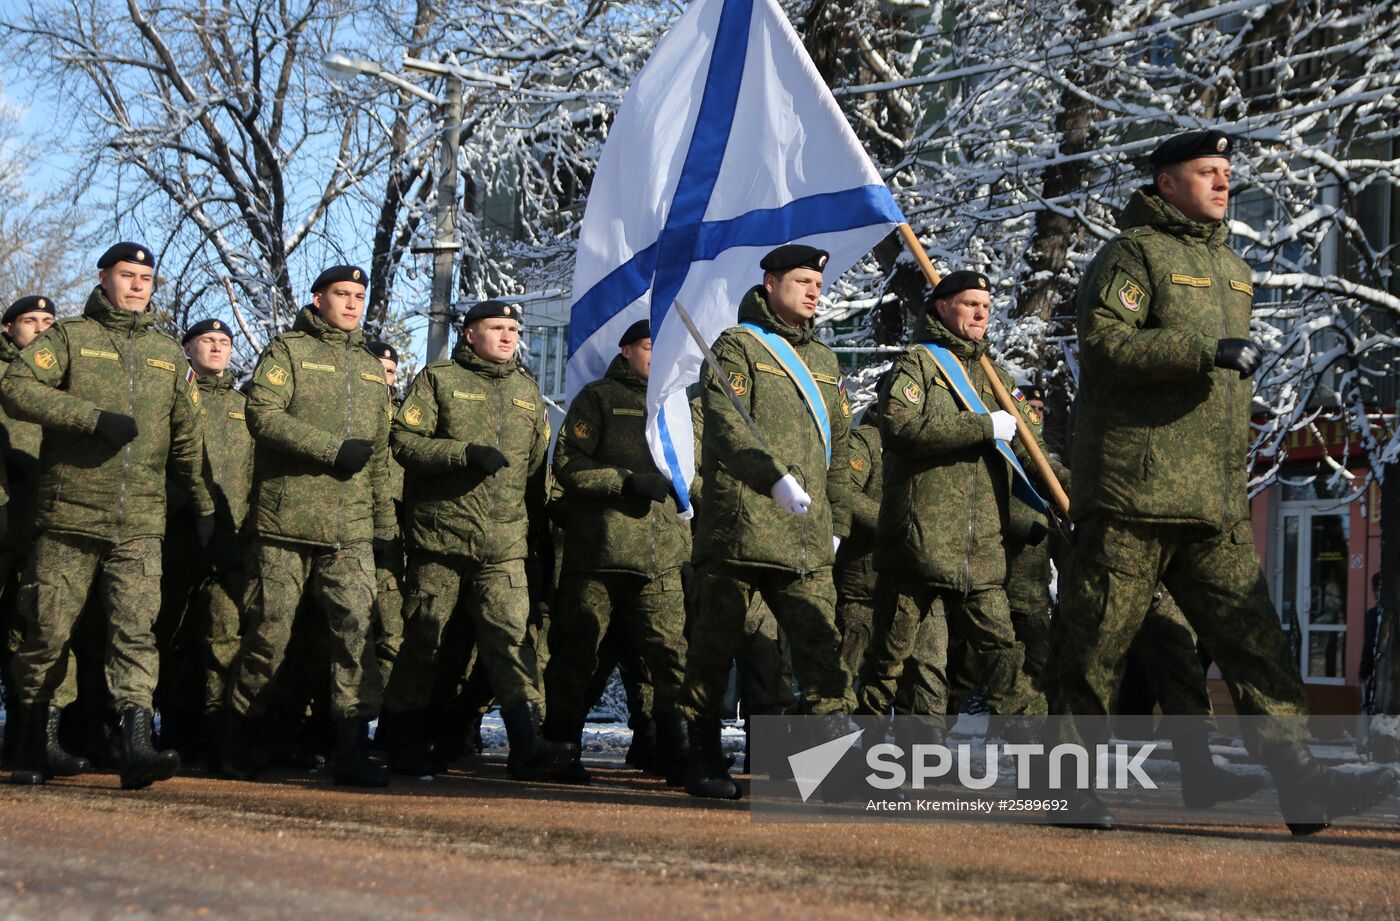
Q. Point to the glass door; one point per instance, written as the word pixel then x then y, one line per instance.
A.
pixel 1311 586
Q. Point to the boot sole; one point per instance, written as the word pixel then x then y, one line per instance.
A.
pixel 139 780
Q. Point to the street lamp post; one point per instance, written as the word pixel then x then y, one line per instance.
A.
pixel 445 224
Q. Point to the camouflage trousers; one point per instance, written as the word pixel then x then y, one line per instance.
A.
pixel 388 621
pixel 764 672
pixel 197 634
pixel 651 612
pixel 913 623
pixel 342 582
pixel 55 589
pixel 12 566
pixel 1113 572
pixel 855 618
pixel 496 600
pixel 804 606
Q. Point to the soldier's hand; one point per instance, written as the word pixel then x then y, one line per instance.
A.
pixel 791 496
pixel 486 458
pixel 116 428
pixel 354 454
pixel 835 544
pixel 204 530
pixel 1003 425
pixel 651 486
pixel 1239 355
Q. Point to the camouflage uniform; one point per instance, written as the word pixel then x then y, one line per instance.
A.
pixel 939 553
pixel 744 543
pixel 855 559
pixel 21 473
pixel 314 388
pixel 101 510
pixel 622 552
pixel 388 575
pixel 468 530
pixel 1160 444
pixel 198 626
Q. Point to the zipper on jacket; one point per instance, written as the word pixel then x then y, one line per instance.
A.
pixel 126 448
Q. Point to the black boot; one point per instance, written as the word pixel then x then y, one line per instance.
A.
pixel 673 749
pixel 1085 810
pixel 708 776
pixel 410 752
pixel 24 723
pixel 1311 795
pixel 1202 783
pixel 57 762
pixel 141 764
pixel 531 756
pixel 641 753
pixel 352 765
pixel 239 753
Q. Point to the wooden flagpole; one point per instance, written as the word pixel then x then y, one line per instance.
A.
pixel 1042 466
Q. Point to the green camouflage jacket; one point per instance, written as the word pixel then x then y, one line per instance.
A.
pixel 855 561
pixel 456 509
pixel 1159 433
pixel 315 388
pixel 947 489
pixel 228 470
pixel 108 359
pixel 603 441
pixel 21 473
pixel 738 521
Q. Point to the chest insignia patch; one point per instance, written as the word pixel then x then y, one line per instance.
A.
pixel 1131 296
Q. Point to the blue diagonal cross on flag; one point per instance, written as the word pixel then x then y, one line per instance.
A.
pixel 728 144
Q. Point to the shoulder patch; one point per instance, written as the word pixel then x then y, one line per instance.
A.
pixel 913 393
pixel 277 375
pixel 582 429
pixel 413 415
pixel 859 464
pixel 45 358
pixel 738 382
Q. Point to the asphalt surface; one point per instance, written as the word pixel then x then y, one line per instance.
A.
pixel 476 845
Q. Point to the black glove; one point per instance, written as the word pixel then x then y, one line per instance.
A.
pixel 204 530
pixel 1238 355
pixel 485 457
pixel 652 486
pixel 388 554
pixel 354 454
pixel 115 427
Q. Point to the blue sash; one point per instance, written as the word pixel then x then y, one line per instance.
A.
pixel 799 374
pixel 956 376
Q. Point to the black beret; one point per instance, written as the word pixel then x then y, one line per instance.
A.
pixel 34 303
pixel 637 331
pixel 964 280
pixel 1189 146
pixel 382 350
pixel 486 310
pixel 127 252
pixel 794 256
pixel 207 326
pixel 339 273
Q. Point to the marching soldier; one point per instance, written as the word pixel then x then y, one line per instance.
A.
pixel 202 590
pixel 855 569
pixel 23 322
pixel 118 404
pixel 389 562
pixel 473 435
pixel 1159 494
pixel 774 504
pixel 624 545
pixel 951 480
pixel 320 505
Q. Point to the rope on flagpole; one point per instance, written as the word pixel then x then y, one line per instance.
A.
pixel 1042 465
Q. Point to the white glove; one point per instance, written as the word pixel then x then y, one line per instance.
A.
pixel 835 544
pixel 1003 425
pixel 791 496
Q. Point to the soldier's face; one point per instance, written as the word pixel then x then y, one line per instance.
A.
pixel 966 313
pixel 209 353
pixel 793 294
pixel 128 285
pixel 341 304
pixel 391 369
pixel 494 339
pixel 27 327
pixel 1199 188
pixel 638 356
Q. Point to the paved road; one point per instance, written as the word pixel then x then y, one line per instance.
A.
pixel 479 846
